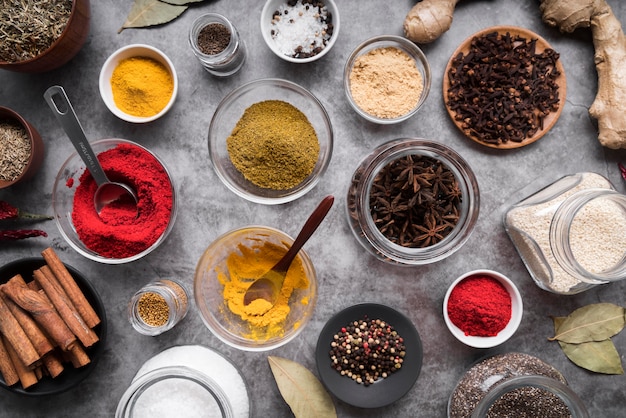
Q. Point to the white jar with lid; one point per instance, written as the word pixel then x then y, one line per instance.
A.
pixel 570 234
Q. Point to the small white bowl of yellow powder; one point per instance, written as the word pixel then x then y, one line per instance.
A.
pixel 387 79
pixel 138 83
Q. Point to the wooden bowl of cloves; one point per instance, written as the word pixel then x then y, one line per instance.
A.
pixel 21 148
pixel 29 47
pixel 504 87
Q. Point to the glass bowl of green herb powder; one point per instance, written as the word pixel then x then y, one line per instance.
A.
pixel 270 141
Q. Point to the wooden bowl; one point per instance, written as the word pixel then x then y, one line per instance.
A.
pixel 64 48
pixel 541 45
pixel 36 144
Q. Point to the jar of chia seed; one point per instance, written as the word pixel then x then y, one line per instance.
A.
pixel 216 43
pixel 570 234
pixel 531 396
pixel 514 385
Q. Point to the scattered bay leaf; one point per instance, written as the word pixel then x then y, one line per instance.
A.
pixel 151 12
pixel 594 322
pixel 181 2
pixel 596 356
pixel 302 391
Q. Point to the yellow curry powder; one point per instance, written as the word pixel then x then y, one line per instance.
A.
pixel 248 263
pixel 141 86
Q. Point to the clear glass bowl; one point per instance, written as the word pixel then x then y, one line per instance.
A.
pixel 213 306
pixel 63 190
pixel 388 41
pixel 230 110
pixel 360 218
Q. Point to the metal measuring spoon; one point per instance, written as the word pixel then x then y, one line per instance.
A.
pixel 108 191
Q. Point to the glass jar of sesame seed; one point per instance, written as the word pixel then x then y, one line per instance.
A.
pixel 158 306
pixel 570 233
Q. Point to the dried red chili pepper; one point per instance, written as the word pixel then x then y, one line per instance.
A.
pixel 622 170
pixel 8 211
pixel 12 235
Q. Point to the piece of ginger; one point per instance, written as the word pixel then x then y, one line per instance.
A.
pixel 609 106
pixel 428 20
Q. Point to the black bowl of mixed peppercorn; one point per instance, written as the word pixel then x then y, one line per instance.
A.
pixel 369 355
pixel 413 201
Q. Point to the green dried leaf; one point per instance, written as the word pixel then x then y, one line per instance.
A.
pixel 302 391
pixel 596 356
pixel 595 322
pixel 151 12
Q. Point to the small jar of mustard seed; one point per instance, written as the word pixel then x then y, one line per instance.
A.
pixel 158 306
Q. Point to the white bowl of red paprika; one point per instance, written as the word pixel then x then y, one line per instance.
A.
pixel 482 308
pixel 138 83
pixel 118 235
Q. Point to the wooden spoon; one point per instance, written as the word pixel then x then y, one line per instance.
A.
pixel 269 285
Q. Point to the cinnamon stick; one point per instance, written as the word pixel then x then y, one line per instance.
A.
pixel 71 288
pixel 6 366
pixel 64 306
pixel 53 364
pixel 15 335
pixel 42 311
pixel 34 333
pixel 78 356
pixel 26 376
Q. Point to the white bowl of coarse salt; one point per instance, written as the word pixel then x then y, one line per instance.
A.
pixel 300 31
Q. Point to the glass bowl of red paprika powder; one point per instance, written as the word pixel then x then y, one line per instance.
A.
pixel 482 308
pixel 118 234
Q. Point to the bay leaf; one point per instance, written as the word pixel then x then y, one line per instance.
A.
pixel 302 391
pixel 594 322
pixel 151 12
pixel 181 2
pixel 596 356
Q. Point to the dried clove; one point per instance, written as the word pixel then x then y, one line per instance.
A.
pixel 414 201
pixel 502 90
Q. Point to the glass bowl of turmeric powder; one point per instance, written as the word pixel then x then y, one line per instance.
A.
pixel 270 141
pixel 223 274
pixel 138 83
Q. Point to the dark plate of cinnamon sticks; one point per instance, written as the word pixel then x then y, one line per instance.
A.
pixel 504 87
pixel 52 326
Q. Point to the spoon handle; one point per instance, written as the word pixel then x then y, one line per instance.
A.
pixel 315 219
pixel 62 108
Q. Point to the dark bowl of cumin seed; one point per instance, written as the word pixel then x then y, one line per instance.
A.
pixel 21 148
pixel 43 46
pixel 413 201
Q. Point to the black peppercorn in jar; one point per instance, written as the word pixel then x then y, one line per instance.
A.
pixel 216 43
pixel 440 202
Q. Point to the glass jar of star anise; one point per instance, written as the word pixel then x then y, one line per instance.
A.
pixel 413 201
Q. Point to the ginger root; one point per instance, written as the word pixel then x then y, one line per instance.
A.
pixel 609 106
pixel 428 20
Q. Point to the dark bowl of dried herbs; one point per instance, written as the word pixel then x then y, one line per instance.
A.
pixel 413 201
pixel 21 148
pixel 504 87
pixel 29 46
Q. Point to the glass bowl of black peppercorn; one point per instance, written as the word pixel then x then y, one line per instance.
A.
pixel 412 201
